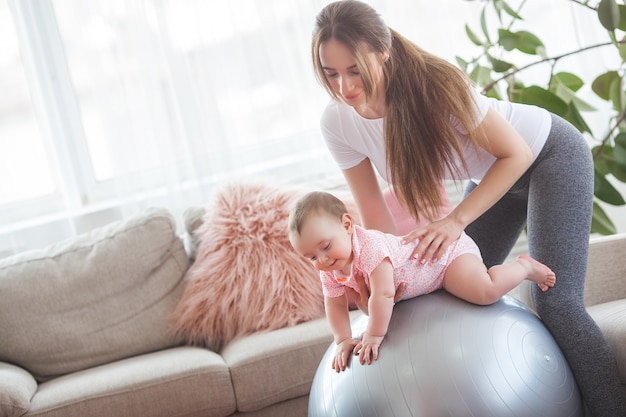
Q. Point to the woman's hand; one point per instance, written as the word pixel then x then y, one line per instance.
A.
pixel 361 298
pixel 434 239
pixel 367 348
pixel 342 354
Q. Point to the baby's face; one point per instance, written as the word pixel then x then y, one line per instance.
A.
pixel 325 241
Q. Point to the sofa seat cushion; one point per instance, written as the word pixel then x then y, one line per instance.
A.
pixel 99 297
pixel 611 318
pixel 183 381
pixel 17 387
pixel 267 368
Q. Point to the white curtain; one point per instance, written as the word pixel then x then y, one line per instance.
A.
pixel 112 106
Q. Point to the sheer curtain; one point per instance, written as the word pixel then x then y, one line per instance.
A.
pixel 155 103
pixel 113 106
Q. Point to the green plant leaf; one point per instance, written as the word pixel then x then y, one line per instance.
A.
pixel 564 94
pixel 602 84
pixel 616 95
pixel 582 105
pixel 566 85
pixel 605 191
pixel 523 41
pixel 622 17
pixel 618 171
pixel 518 84
pixel 483 25
pixel 603 158
pixel 499 65
pixel 600 222
pixel 509 10
pixel 494 93
pixel 574 117
pixel 472 36
pixel 561 87
pixel 507 39
pixel 461 63
pixel 608 13
pixel 620 149
pixel 541 97
pixel 541 51
pixel 497 8
pixel 481 75
pixel 571 81
pixel 622 49
pixel 606 162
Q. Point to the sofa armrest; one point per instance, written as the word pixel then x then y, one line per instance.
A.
pixel 17 387
pixel 606 270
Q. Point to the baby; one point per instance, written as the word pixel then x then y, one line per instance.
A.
pixel 321 229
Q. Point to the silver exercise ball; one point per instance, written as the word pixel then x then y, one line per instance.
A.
pixel 443 356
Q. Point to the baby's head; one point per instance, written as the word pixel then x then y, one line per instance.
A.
pixel 320 229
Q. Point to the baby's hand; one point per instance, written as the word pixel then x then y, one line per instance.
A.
pixel 367 348
pixel 342 354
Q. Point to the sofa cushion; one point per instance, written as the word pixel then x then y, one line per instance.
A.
pixel 93 299
pixel 246 276
pixel 17 387
pixel 605 270
pixel 181 381
pixel 267 368
pixel 611 318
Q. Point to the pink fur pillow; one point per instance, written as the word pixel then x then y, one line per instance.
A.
pixel 246 276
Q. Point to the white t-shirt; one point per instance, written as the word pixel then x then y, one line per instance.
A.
pixel 351 138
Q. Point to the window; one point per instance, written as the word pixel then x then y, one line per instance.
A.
pixel 150 103
pixel 25 171
pixel 111 106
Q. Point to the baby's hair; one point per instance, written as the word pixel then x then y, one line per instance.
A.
pixel 314 202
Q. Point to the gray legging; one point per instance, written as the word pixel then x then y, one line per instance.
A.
pixel 554 199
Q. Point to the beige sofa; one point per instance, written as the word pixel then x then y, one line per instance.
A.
pixel 84 332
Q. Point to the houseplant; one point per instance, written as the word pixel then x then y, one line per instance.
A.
pixel 498 69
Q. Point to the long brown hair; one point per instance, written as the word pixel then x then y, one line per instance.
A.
pixel 422 94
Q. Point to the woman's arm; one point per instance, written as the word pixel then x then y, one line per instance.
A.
pixel 513 159
pixel 373 209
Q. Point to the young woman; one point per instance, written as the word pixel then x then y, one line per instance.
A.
pixel 417 120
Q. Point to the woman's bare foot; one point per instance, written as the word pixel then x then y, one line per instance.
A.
pixel 538 272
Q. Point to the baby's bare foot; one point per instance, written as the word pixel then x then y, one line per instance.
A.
pixel 538 272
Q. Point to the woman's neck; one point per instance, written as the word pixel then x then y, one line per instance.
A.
pixel 374 108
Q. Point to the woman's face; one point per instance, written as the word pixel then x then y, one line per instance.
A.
pixel 343 74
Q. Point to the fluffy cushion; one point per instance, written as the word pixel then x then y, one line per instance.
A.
pixel 93 299
pixel 246 276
